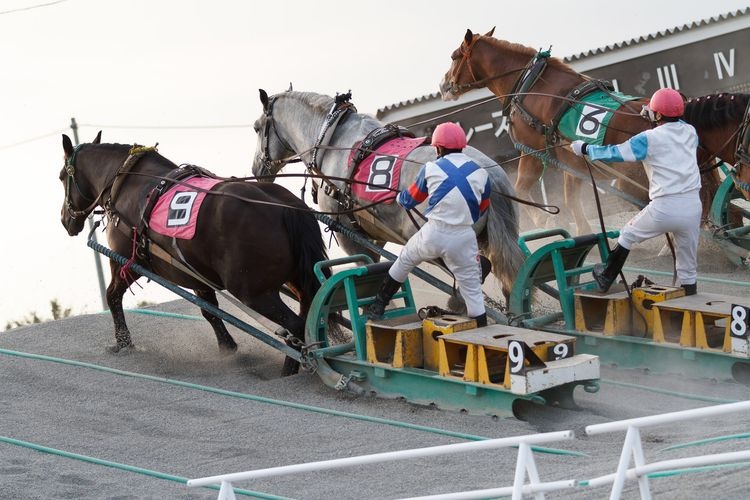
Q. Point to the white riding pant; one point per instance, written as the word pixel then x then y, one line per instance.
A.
pixel 457 246
pixel 676 214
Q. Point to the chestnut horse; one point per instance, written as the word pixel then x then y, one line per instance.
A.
pixel 534 103
pixel 250 238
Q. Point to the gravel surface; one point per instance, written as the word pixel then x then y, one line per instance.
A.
pixel 185 432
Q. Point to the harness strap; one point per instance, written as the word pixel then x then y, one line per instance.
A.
pixel 743 139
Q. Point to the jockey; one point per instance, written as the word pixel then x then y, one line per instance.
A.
pixel 457 191
pixel 668 152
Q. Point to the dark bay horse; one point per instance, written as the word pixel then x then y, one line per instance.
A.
pixel 250 238
pixel 534 100
pixel 290 128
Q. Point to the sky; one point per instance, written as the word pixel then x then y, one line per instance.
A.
pixel 186 74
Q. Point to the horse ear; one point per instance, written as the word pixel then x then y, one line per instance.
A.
pixel 263 99
pixel 98 138
pixel 490 32
pixel 468 37
pixel 67 146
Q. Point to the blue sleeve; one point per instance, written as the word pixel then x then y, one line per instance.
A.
pixel 634 149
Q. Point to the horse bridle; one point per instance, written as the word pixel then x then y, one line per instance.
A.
pixel 134 154
pixel 456 88
pixel 269 166
pixel 70 170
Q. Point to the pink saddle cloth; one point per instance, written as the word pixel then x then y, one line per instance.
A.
pixel 382 170
pixel 176 212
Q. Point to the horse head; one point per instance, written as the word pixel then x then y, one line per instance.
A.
pixel 271 151
pixel 80 196
pixel 463 72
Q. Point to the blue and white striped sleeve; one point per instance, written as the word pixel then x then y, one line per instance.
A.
pixel 634 149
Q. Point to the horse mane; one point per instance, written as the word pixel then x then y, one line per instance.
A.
pixel 124 148
pixel 319 102
pixel 716 110
pixel 528 52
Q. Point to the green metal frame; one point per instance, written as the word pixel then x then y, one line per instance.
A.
pixel 734 240
pixel 561 261
pixel 350 290
pixel 548 263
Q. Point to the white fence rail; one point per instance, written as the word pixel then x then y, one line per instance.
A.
pixel 633 449
pixel 525 464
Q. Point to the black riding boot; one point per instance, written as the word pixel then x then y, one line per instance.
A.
pixel 605 275
pixel 481 320
pixel 690 289
pixel 387 290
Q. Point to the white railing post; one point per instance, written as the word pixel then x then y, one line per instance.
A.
pixel 226 492
pixel 525 463
pixel 632 446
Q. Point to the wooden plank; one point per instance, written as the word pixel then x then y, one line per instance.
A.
pixel 616 292
pixel 408 322
pixel 710 303
pixel 498 336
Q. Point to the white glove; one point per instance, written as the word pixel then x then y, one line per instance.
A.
pixel 577 147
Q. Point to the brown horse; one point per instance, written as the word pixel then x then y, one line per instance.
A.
pixel 723 125
pixel 535 91
pixel 250 238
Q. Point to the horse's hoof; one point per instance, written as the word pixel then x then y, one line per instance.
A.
pixel 121 350
pixel 227 350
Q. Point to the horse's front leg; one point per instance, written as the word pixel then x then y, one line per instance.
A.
pixel 227 345
pixel 529 172
pixel 572 194
pixel 115 291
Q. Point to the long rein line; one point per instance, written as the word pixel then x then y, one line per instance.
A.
pixel 270 203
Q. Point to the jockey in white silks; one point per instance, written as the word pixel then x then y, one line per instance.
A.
pixel 457 191
pixel 668 152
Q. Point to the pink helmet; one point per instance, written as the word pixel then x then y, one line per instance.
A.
pixel 449 135
pixel 668 102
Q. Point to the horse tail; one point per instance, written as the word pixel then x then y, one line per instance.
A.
pixel 307 249
pixel 499 240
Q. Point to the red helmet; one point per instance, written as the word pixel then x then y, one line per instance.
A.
pixel 668 102
pixel 449 135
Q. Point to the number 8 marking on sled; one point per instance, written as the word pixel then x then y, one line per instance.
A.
pixel 739 325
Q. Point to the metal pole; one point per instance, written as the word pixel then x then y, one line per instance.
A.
pixel 97 259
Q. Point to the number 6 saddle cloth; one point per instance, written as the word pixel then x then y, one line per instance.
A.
pixel 588 118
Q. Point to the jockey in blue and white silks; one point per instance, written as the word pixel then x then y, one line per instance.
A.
pixel 668 152
pixel 668 156
pixel 457 191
